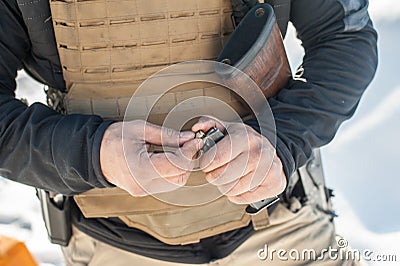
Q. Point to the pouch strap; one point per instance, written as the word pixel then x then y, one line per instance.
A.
pixel 240 9
pixel 260 220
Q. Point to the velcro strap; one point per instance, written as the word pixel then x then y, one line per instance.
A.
pixel 260 220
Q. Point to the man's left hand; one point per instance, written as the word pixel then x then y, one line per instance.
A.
pixel 243 165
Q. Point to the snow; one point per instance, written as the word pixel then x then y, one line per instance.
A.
pixel 20 217
pixel 361 163
pixel 388 10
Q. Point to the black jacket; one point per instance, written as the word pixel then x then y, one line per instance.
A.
pixel 42 148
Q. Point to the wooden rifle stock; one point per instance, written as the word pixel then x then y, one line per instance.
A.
pixel 256 48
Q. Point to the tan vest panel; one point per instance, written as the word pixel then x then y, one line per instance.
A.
pixel 107 48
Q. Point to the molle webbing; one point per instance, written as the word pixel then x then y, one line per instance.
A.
pixel 111 103
pixel 107 48
pixel 126 40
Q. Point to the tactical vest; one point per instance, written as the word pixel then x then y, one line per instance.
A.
pixel 106 49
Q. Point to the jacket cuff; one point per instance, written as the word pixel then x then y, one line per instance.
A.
pixel 286 158
pixel 101 180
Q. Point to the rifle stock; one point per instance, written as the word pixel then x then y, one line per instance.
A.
pixel 256 48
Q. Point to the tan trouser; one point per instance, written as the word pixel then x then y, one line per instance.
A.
pixel 298 234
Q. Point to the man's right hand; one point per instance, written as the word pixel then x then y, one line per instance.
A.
pixel 126 162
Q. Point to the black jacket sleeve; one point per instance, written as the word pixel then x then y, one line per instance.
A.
pixel 38 146
pixel 340 60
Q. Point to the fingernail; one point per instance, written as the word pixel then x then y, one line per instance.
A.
pixel 186 135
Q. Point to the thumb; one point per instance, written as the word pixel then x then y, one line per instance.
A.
pixel 157 135
pixel 183 157
pixel 190 148
pixel 205 123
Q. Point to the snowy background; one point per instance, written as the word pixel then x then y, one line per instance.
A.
pixel 360 163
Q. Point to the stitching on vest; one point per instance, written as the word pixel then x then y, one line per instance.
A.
pixel 91 24
pixel 122 21
pixel 199 221
pixel 209 12
pixel 153 18
pixel 182 15
pixel 64 24
pixel 123 46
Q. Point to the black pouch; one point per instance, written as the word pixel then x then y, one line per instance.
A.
pixel 56 212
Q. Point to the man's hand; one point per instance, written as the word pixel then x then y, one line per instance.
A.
pixel 243 165
pixel 126 162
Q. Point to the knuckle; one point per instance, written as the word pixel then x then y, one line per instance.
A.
pixel 277 184
pixel 232 190
pixel 169 132
pixel 251 164
pixel 254 143
pixel 282 184
pixel 138 123
pixel 211 177
pixel 242 199
pixel 135 187
pixel 137 191
pixel 279 164
pixel 280 189
pixel 277 168
pixel 182 179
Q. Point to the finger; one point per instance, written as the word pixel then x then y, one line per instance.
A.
pixel 190 149
pixel 205 123
pixel 222 153
pixel 179 180
pixel 134 188
pixel 260 193
pixel 258 162
pixel 161 166
pixel 230 172
pixel 183 158
pixel 168 184
pixel 247 198
pixel 272 186
pixel 266 166
pixel 237 187
pixel 160 185
pixel 252 158
pixel 155 134
pixel 169 164
pixel 150 178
